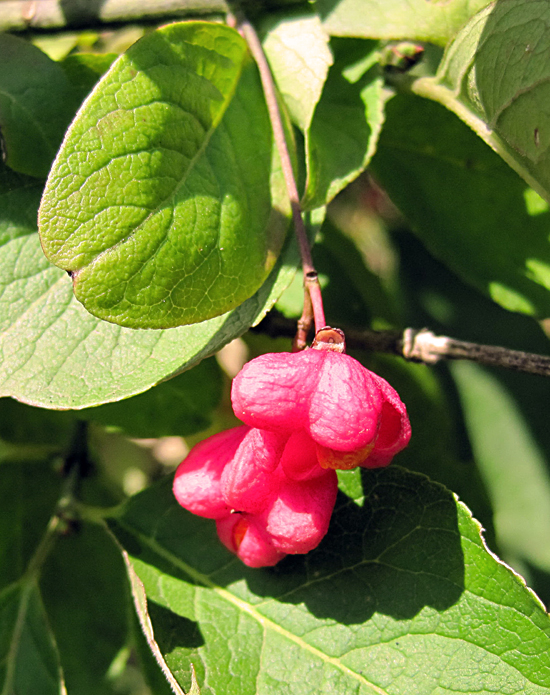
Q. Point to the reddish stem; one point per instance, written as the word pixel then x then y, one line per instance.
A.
pixel 311 281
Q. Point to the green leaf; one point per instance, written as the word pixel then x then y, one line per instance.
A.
pixel 19 200
pixel 346 123
pixel 394 19
pixel 180 406
pixel 55 354
pixel 465 204
pixel 350 290
pixel 513 466
pixel 84 588
pixel 495 76
pixel 416 604
pixel 299 56
pixel 161 202
pixel 28 655
pixel 36 106
pixel 140 604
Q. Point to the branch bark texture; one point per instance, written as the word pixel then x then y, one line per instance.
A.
pixel 421 345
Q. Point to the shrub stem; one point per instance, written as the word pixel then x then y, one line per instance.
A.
pixel 313 304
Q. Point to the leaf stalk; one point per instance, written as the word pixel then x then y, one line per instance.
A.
pixel 313 303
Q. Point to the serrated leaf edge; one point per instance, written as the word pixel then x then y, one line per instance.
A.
pixel 480 530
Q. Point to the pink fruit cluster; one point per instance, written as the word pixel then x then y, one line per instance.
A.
pixel 271 483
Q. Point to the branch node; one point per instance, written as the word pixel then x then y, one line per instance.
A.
pixel 421 345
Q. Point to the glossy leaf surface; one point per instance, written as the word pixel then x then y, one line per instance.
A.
pixel 469 208
pixel 394 19
pixel 36 106
pixel 161 202
pixel 400 597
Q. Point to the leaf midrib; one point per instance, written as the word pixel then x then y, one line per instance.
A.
pixel 208 135
pixel 245 607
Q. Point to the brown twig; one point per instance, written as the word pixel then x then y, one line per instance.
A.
pixel 20 15
pixel 311 281
pixel 421 345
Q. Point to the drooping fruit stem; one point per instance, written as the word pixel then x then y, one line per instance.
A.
pixel 313 304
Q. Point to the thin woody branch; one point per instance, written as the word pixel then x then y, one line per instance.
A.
pixel 421 345
pixel 19 15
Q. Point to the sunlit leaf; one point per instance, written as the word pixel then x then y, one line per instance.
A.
pixel 189 221
pixel 299 56
pixel 346 123
pixel 495 76
pixel 394 19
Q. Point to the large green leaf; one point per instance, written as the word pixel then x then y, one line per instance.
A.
pixel 299 56
pixel 36 106
pixel 85 593
pixel 512 464
pixel 165 202
pixel 28 654
pixel 56 355
pixel 394 19
pixel 495 76
pixel 346 123
pixel 400 597
pixel 155 666
pixel 469 208
pixel 180 406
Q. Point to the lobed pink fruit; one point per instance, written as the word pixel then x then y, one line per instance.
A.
pixel 271 484
pixel 354 416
